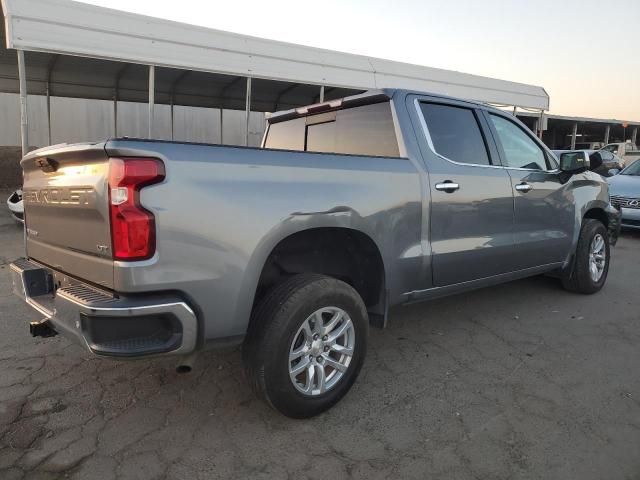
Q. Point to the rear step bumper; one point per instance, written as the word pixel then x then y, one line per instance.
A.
pixel 124 327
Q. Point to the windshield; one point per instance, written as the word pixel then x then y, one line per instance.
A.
pixel 633 169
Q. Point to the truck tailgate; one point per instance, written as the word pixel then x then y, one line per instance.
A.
pixel 66 205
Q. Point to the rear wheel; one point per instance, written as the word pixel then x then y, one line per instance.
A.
pixel 306 345
pixel 590 267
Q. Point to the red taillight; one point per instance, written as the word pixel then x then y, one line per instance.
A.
pixel 133 229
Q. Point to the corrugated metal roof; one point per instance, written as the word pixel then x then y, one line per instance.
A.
pixel 77 29
pixel 609 121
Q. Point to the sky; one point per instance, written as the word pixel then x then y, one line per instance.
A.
pixel 585 53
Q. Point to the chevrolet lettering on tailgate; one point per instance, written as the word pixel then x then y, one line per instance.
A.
pixel 82 196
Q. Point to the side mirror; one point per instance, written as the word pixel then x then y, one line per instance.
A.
pixel 574 162
pixel 613 172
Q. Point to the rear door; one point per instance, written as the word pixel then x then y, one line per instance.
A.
pixel 471 219
pixel 67 213
pixel 544 210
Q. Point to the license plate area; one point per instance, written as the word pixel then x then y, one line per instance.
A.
pixel 60 280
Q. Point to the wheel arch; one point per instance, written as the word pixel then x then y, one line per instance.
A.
pixel 594 209
pixel 597 213
pixel 341 252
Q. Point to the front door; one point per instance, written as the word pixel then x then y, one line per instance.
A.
pixel 544 212
pixel 471 218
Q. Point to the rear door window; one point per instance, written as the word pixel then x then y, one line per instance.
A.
pixel 455 133
pixel 363 130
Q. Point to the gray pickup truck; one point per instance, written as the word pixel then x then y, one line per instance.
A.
pixel 141 248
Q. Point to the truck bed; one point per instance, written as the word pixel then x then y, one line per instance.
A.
pixel 218 213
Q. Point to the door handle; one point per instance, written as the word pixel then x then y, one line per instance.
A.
pixel 523 187
pixel 447 186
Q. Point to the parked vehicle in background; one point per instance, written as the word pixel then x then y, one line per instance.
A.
pixel 600 161
pixel 586 146
pixel 351 206
pixel 16 207
pixel 603 161
pixel 624 189
pixel 627 151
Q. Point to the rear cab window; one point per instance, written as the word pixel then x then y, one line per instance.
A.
pixel 361 130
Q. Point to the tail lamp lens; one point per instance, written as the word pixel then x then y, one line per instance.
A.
pixel 133 230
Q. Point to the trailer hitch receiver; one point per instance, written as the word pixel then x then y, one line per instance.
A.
pixel 42 328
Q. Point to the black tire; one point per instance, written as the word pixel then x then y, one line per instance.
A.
pixel 274 324
pixel 577 278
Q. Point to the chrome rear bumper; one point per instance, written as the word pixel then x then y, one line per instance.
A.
pixel 109 325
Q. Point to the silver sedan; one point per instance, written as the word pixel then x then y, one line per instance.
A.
pixel 624 189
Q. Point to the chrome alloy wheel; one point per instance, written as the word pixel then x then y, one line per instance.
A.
pixel 597 257
pixel 321 351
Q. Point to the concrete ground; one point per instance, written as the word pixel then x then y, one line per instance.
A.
pixel 522 380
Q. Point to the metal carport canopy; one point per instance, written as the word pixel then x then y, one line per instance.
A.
pixel 71 28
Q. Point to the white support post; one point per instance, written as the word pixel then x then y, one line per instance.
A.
pixel 152 94
pixel 49 111
pixel 24 117
pixel 247 111
pixel 541 124
pixel 221 125
pixel 574 135
pixel 50 67
pixel 607 132
pixel 634 135
pixel 115 112
pixel 322 94
pixel 172 133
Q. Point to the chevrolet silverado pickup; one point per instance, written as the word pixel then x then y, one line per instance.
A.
pixel 294 249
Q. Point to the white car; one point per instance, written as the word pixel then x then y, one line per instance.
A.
pixel 16 207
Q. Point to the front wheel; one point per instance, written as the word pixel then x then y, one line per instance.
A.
pixel 590 267
pixel 306 345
